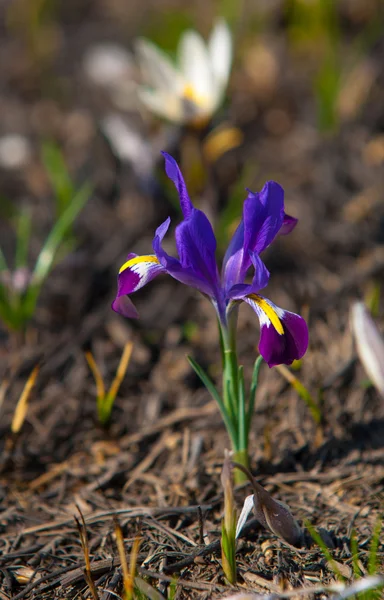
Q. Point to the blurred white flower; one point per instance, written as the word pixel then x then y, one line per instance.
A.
pixel 369 345
pixel 113 67
pixel 15 151
pixel 106 64
pixel 191 91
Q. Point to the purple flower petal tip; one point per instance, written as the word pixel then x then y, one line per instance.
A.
pixel 288 225
pixel 125 307
pixel 277 349
pixel 173 172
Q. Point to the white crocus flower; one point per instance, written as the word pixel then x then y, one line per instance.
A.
pixel 369 345
pixel 191 91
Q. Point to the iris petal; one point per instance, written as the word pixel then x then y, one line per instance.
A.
pixel 283 336
pixel 260 280
pixel 263 216
pixel 288 225
pixel 174 173
pixel 133 275
pixel 196 246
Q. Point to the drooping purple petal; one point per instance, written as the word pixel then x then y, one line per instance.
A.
pixel 283 335
pixel 136 272
pixel 125 307
pixel 263 216
pixel 174 173
pixel 288 225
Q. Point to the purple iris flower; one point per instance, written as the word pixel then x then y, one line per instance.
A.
pixel 284 335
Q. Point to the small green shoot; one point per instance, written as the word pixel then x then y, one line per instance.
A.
pixel 373 563
pixel 355 555
pixel 20 286
pixel 106 400
pixel 228 527
pixel 303 393
pixel 59 177
pixel 373 593
pixel 325 550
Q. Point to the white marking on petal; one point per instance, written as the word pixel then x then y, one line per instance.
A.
pixel 247 507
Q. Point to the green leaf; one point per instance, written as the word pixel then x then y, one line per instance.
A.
pixel 23 234
pixel 325 550
pixel 252 393
pixel 216 396
pixel 48 252
pixel 59 176
pixel 242 416
pixel 374 546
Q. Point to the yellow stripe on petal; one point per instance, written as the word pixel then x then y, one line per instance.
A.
pixel 136 260
pixel 269 311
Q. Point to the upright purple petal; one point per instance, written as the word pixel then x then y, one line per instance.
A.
pixel 174 173
pixel 196 245
pixel 283 335
pixel 263 216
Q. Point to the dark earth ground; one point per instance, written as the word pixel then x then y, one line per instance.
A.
pixel 162 454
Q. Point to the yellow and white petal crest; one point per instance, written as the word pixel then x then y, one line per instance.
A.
pixel 220 52
pixel 157 69
pixel 137 271
pixel 269 313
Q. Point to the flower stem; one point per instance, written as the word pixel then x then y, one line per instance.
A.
pixel 241 457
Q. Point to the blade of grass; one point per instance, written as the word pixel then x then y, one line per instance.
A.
pixel 242 424
pixel 3 262
pixel 355 555
pixel 128 579
pixel 116 383
pixel 85 547
pixel 373 549
pixel 22 405
pixel 216 396
pixel 59 177
pixel 100 387
pixel 6 311
pixel 48 252
pixel 23 233
pixel 325 550
pixel 302 391
pixel 252 393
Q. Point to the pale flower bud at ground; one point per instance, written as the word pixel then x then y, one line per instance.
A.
pixel 369 345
